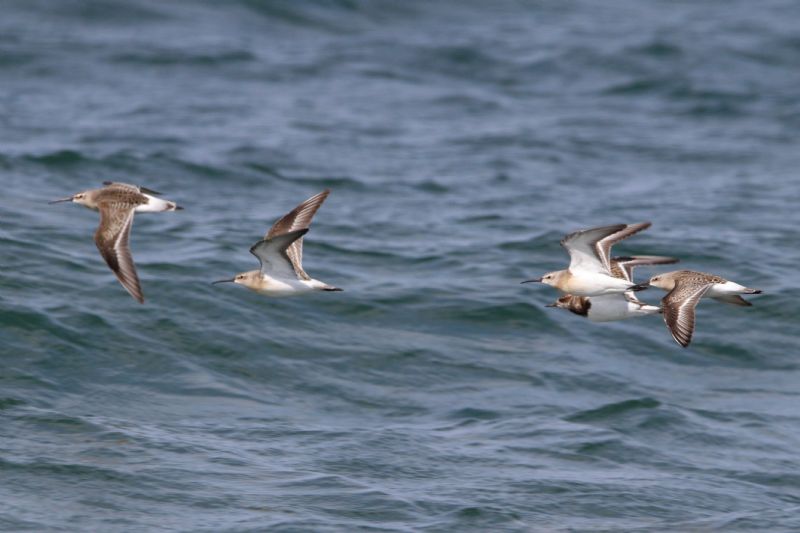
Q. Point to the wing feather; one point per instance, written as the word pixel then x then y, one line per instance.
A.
pixel 272 253
pixel 298 218
pixel 603 246
pixel 733 299
pixel 583 251
pixel 622 267
pixel 112 240
pixel 679 309
pixel 129 187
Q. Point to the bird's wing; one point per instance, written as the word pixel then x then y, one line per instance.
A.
pixel 272 252
pixel 298 218
pixel 622 267
pixel 583 250
pixel 129 187
pixel 733 299
pixel 679 308
pixel 111 238
pixel 604 245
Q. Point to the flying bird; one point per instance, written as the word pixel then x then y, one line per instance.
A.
pixel 281 255
pixel 589 272
pixel 615 306
pixel 685 289
pixel 117 202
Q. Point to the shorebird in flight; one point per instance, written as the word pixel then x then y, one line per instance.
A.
pixel 117 202
pixel 615 306
pixel 685 288
pixel 281 255
pixel 589 272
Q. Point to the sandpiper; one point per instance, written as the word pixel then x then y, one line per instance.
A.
pixel 589 272
pixel 686 287
pixel 117 202
pixel 615 306
pixel 281 255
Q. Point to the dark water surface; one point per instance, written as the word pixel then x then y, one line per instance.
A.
pixel 460 140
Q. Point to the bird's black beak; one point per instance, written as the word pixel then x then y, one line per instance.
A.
pixel 537 280
pixel 69 199
pixel 223 281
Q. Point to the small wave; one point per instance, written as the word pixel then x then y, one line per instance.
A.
pixel 167 57
pixel 9 59
pixel 34 321
pixel 473 414
pixel 508 314
pixel 658 49
pixel 462 62
pixel 59 158
pixel 315 15
pixel 70 470
pixel 613 410
pixel 431 186
pixel 332 182
pixel 640 86
pixel 8 403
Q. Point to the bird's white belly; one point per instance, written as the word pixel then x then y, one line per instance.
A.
pixel 282 287
pixel 584 283
pixel 617 307
pixel 608 308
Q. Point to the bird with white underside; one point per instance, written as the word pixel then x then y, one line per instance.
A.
pixel 117 202
pixel 613 307
pixel 589 272
pixel 685 289
pixel 281 255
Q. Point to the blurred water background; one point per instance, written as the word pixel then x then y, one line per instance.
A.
pixel 461 140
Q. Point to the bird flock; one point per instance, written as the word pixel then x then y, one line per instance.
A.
pixel 595 285
pixel 601 288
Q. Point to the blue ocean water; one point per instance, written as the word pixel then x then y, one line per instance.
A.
pixel 460 140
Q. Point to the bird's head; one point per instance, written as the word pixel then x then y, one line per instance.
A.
pixel 663 281
pixel 85 198
pixel 564 302
pixel 551 278
pixel 250 279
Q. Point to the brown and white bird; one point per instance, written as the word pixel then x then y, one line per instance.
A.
pixel 612 307
pixel 117 202
pixel 281 255
pixel 685 289
pixel 589 272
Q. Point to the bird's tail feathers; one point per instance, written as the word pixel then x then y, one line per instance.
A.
pixel 331 288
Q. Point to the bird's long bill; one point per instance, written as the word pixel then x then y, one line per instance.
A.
pixel 68 199
pixel 537 280
pixel 223 281
pixel 552 305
